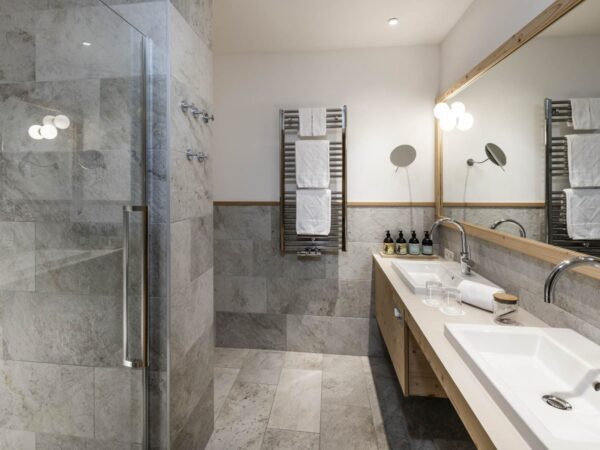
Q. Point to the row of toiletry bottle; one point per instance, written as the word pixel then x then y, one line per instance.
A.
pixel 413 247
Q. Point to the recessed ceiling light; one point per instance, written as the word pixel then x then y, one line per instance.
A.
pixel 86 44
pixel 392 22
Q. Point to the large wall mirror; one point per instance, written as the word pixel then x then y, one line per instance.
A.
pixel 529 165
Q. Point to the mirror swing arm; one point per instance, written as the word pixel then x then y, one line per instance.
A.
pixel 535 249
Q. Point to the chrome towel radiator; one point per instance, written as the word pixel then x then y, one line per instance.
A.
pixel 303 245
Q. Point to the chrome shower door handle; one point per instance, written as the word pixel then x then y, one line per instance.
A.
pixel 140 362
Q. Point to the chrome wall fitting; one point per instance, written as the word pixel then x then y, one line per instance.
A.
pixel 189 154
pixel 200 156
pixel 206 117
pixel 185 106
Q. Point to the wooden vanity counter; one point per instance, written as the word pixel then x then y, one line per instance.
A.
pixel 414 336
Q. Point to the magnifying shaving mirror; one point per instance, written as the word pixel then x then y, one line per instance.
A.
pixel 403 156
pixel 494 154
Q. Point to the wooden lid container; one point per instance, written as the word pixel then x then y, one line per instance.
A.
pixel 503 297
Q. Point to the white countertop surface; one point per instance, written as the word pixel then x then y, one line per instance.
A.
pixel 431 322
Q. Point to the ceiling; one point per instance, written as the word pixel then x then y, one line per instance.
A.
pixel 247 26
pixel 582 21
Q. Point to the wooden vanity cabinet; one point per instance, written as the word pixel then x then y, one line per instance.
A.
pixel 412 368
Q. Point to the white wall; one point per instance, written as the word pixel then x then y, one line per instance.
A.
pixel 485 25
pixel 389 93
pixel 508 106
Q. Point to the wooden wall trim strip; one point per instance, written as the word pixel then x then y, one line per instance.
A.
pixel 495 205
pixel 546 18
pixel 350 204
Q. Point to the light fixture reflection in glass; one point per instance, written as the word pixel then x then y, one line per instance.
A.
pixel 448 123
pixel 441 111
pixel 49 131
pixel 393 21
pixel 458 109
pixel 34 132
pixel 465 122
pixel 48 120
pixel 86 44
pixel 62 122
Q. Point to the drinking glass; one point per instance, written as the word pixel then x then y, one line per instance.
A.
pixel 433 292
pixel 452 305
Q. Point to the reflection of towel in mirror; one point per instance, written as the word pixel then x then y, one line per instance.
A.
pixel 583 152
pixel 585 113
pixel 583 213
pixel 313 212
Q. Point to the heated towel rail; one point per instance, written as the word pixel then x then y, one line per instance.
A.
pixel 558 113
pixel 303 245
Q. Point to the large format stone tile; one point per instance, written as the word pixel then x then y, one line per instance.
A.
pixel 17 54
pixel 354 298
pixel 224 380
pixel 344 427
pixel 197 429
pixel 47 398
pixel 62 329
pixel 230 357
pixel 344 381
pixel 315 297
pixel 118 404
pixel 305 361
pixel 17 258
pixel 198 13
pixel 201 232
pixel 233 258
pixel 61 442
pixel 262 366
pixel 241 294
pixel 269 262
pixel 191 192
pixel 289 440
pixel 243 222
pixel 243 418
pixel 354 264
pixel 17 439
pixel 247 330
pixel 308 333
pixel 297 404
pixel 369 224
pixel 180 254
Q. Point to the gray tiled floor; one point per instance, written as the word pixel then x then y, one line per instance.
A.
pixel 268 399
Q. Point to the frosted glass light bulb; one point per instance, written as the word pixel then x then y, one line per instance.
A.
pixel 465 122
pixel 441 111
pixel 448 123
pixel 48 120
pixel 458 108
pixel 62 122
pixel 34 132
pixel 49 131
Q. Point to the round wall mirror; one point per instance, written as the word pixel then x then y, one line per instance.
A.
pixel 403 155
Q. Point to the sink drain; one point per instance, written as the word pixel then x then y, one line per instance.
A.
pixel 557 402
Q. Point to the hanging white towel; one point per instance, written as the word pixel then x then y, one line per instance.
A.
pixel 313 212
pixel 583 213
pixel 312 164
pixel 306 122
pixel 585 113
pixel 583 152
pixel 319 121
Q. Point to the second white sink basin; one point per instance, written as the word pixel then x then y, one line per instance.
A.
pixel 520 365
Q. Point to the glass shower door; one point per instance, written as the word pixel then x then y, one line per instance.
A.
pixel 73 227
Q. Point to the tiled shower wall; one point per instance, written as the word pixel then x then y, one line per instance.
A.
pixel 191 313
pixel 576 306
pixel 266 300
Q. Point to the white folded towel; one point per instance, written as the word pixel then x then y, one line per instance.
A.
pixel 583 213
pixel 306 121
pixel 313 212
pixel 584 160
pixel 319 121
pixel 312 164
pixel 585 113
pixel 478 294
pixel 313 122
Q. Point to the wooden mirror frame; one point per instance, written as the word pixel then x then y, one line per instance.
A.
pixel 535 249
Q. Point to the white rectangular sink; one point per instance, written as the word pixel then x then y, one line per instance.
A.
pixel 520 365
pixel 416 274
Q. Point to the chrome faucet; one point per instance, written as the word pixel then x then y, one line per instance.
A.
pixel 465 254
pixel 561 268
pixel 522 231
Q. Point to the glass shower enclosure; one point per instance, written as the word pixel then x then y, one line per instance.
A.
pixel 73 227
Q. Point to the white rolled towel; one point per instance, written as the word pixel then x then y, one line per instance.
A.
pixel 478 294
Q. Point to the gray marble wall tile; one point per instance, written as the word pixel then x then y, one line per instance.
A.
pixel 190 188
pixel 368 224
pixel 243 222
pixel 198 13
pixel 198 428
pixel 40 327
pixel 201 234
pixel 268 261
pixel 47 398
pixel 17 256
pixel 60 442
pixel 118 408
pixel 241 294
pixel 180 254
pixel 355 264
pixel 158 403
pixel 191 59
pixel 262 367
pixel 17 439
pixel 234 258
pixel 246 330
pixel 293 296
pixel 354 298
